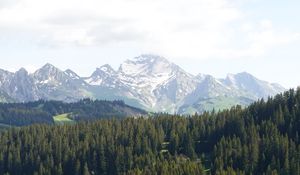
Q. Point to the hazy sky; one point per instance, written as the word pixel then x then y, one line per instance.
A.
pixel 214 37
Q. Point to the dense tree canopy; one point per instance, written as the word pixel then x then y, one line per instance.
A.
pixel 261 139
pixel 20 114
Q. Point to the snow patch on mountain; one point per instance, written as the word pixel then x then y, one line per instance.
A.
pixel 147 81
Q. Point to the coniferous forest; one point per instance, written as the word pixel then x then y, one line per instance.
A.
pixel 42 112
pixel 260 139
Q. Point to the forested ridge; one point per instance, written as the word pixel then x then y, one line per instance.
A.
pixel 261 139
pixel 42 112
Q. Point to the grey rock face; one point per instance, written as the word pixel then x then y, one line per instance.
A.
pixel 147 81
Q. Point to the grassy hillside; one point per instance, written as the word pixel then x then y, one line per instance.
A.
pixel 63 119
pixel 215 103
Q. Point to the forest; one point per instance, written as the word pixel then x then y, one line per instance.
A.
pixel 260 139
pixel 42 112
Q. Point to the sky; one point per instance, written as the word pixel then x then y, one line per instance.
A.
pixel 214 37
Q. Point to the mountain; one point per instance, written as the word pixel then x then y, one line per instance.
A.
pixel 158 83
pixel 55 84
pixel 105 75
pixel 150 82
pixel 5 98
pixel 19 86
pixel 249 84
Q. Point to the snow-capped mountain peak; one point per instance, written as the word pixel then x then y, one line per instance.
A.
pixel 72 74
pixel 147 81
pixel 48 67
pixel 149 58
pixel 47 71
pixel 106 68
pixel 103 75
pixel 22 71
pixel 147 65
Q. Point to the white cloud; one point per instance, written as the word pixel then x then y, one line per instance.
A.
pixel 259 38
pixel 177 28
pixel 7 3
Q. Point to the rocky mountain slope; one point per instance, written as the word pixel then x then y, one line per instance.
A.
pixel 148 81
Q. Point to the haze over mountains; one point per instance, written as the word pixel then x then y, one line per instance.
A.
pixel 148 81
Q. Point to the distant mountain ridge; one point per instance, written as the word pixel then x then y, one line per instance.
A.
pixel 150 82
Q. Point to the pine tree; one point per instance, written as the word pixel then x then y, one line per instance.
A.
pixel 86 170
pixel 59 170
pixel 77 167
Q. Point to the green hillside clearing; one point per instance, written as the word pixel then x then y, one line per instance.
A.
pixel 63 119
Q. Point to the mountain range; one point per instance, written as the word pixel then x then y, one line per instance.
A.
pixel 150 82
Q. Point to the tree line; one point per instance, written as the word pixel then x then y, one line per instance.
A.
pixel 260 139
pixel 42 112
